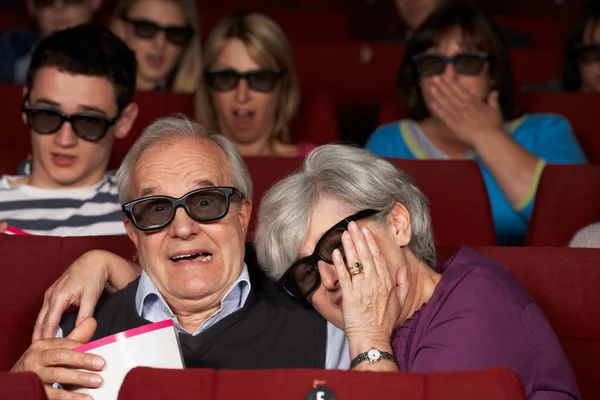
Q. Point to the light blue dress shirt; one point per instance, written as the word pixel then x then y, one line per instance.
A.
pixel 151 306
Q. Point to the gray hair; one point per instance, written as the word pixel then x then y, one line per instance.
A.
pixel 355 177
pixel 170 129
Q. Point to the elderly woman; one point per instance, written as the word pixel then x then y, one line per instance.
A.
pixel 249 89
pixel 457 85
pixel 359 247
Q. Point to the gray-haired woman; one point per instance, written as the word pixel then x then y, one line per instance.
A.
pixel 351 233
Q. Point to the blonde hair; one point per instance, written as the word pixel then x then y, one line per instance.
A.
pixel 188 69
pixel 268 47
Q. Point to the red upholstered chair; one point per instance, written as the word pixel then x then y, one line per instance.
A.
pixel 324 25
pixel 316 120
pixel 15 144
pixel 460 208
pixel 22 386
pixel 567 199
pixel 564 282
pixel 152 105
pixel 543 32
pixel 494 384
pixel 265 172
pixel 151 383
pixel 459 204
pixel 30 264
pixel 10 20
pixel 581 109
pixel 531 66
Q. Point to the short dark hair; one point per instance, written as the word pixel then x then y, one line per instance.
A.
pixel 88 50
pixel 479 32
pixel 571 80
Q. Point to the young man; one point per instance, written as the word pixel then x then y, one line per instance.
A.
pixel 51 16
pixel 77 100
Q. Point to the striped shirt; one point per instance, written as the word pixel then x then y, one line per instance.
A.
pixel 89 211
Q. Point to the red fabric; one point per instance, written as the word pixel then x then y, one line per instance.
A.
pixel 30 264
pixel 567 199
pixel 324 25
pixel 543 32
pixel 151 383
pixel 494 384
pixel 460 208
pixel 22 386
pixel 316 120
pixel 564 282
pixel 459 203
pixel 581 109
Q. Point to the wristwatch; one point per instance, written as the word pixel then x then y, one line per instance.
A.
pixel 374 355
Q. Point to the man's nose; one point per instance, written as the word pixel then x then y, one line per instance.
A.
pixel 65 136
pixel 183 226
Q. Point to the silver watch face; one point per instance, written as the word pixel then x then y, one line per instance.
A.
pixel 374 355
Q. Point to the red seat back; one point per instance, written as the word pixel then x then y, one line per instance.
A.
pixel 564 282
pixel 460 207
pixel 494 384
pixel 542 32
pixel 567 199
pixel 22 386
pixel 458 199
pixel 30 265
pixel 324 25
pixel 581 109
pixel 15 143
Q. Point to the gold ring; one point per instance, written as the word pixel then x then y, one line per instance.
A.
pixel 355 271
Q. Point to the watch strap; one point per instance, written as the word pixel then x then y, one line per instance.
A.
pixel 382 355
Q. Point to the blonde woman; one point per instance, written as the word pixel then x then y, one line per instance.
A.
pixel 164 35
pixel 249 89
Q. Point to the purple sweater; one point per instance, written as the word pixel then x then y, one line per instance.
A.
pixel 479 317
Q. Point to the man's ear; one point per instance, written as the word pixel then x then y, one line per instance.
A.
pixel 399 220
pixel 131 231
pixel 128 116
pixel 25 102
pixel 245 214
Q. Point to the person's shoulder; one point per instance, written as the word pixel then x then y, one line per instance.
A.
pixel 388 140
pixel 541 122
pixel 390 128
pixel 11 182
pixel 473 277
pixel 18 41
pixel 588 236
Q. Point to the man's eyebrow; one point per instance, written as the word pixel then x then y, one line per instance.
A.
pixel 204 183
pixel 47 102
pixel 93 109
pixel 148 191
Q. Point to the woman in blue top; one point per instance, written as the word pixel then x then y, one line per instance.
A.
pixel 457 84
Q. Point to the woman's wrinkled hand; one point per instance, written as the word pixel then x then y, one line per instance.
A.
pixel 372 300
pixel 467 116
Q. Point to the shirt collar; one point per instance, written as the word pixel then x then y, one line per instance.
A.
pixel 236 296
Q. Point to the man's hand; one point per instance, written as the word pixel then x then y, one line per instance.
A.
pixel 55 361
pixel 3 227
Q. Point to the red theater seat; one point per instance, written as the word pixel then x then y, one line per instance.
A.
pixel 15 143
pixel 542 32
pixel 13 20
pixel 459 203
pixel 494 384
pixel 21 386
pixel 298 26
pixel 567 199
pixel 564 282
pixel 581 109
pixel 30 265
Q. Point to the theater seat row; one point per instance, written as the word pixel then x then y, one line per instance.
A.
pixel 562 280
pixel 158 384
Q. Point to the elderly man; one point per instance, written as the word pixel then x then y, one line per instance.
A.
pixel 187 201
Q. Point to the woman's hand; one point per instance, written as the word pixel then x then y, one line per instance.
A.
pixel 466 115
pixel 81 285
pixel 372 301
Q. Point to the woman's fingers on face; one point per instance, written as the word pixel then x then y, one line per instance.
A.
pixel 380 265
pixel 341 270
pixel 362 249
pixel 352 257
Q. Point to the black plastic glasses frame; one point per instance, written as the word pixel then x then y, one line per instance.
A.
pixel 483 56
pixel 288 278
pixel 181 202
pixel 249 76
pixel 144 29
pixel 72 119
